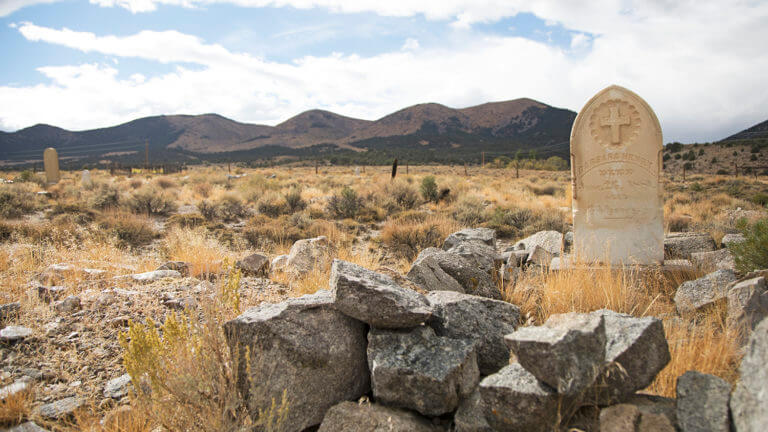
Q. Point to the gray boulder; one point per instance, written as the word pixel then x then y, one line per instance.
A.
pixel 636 350
pixel 156 275
pixel 631 418
pixel 355 417
pixel 429 276
pixel 60 409
pixel 254 265
pixel 15 333
pixel 307 254
pixel 683 244
pixel 69 305
pixel 470 278
pixel 747 305
pixel 517 258
pixel 567 352
pixel 720 259
pixel 484 236
pixel 478 319
pixel 479 255
pixel 695 295
pixel 702 403
pixel 750 398
pixel 179 266
pixel 375 298
pixel 540 257
pixel 730 239
pixel 302 346
pixel 117 387
pixel 550 241
pixel 50 293
pixel 418 370
pixel 511 400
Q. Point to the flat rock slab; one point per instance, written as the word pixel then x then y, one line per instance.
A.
pixel 695 295
pixel 702 403
pixel 629 418
pixel 418 370
pixel 550 241
pixel 376 299
pixel 720 259
pixel 682 245
pixel 484 236
pixel 636 350
pixel 15 333
pixel 26 427
pixel 730 239
pixel 60 409
pixel 567 352
pixel 155 275
pixel 478 319
pixel 750 398
pixel 302 346
pixel 307 254
pixel 118 387
pixel 180 266
pixel 434 268
pixel 355 417
pixel 479 255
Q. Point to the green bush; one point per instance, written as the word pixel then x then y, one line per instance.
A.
pixel 345 205
pixel 722 172
pixel 130 230
pixel 696 187
pixel 15 203
pixel 227 208
pixel 272 205
pixel 752 254
pixel 429 189
pixel 760 199
pixel 470 211
pixel 509 222
pixel 294 202
pixel 106 197
pixel 404 196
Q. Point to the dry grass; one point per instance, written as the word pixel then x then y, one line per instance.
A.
pixel 204 254
pixel 16 408
pixel 409 237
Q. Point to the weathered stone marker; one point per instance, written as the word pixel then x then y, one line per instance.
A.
pixel 616 148
pixel 51 163
pixel 86 179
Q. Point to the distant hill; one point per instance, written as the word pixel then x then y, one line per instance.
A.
pixel 420 133
pixel 758 131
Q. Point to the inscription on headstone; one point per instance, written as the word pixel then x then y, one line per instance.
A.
pixel 51 164
pixel 616 147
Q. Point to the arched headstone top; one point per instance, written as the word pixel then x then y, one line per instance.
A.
pixel 616 108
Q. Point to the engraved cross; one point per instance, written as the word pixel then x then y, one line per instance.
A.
pixel 615 121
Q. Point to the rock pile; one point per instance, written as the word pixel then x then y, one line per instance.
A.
pixel 440 359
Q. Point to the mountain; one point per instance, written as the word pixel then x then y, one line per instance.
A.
pixel 756 132
pixel 421 133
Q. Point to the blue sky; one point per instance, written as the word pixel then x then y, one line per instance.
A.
pixel 82 64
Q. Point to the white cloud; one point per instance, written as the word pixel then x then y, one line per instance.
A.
pixel 8 7
pixel 698 65
pixel 410 44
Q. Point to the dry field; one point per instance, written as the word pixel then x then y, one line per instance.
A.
pixel 122 226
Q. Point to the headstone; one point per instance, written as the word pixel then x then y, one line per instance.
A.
pixel 86 179
pixel 51 163
pixel 357 171
pixel 616 148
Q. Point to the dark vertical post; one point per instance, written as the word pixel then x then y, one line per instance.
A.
pixel 482 159
pixel 146 154
pixel 466 173
pixel 394 169
pixel 316 163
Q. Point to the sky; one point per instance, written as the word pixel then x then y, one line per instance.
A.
pixel 83 64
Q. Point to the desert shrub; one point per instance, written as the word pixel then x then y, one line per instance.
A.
pixel 29 176
pixel 136 183
pixel 186 374
pixel 753 158
pixel 403 196
pixel 752 253
pixel 187 220
pixel 293 201
pixel 151 201
pixel 15 202
pixel 666 157
pixel 345 204
pixel 203 189
pixel 509 222
pixel 105 197
pixel 411 216
pixel 677 223
pixel 271 205
pixel 545 189
pixel 469 211
pixel 165 183
pixel 760 199
pixel 674 147
pixel 79 212
pixel 228 208
pixel 714 160
pixel 429 189
pixel 696 187
pixel 677 156
pixel 408 239
pixel 129 230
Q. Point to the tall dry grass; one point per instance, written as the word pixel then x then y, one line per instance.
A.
pixel 204 254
